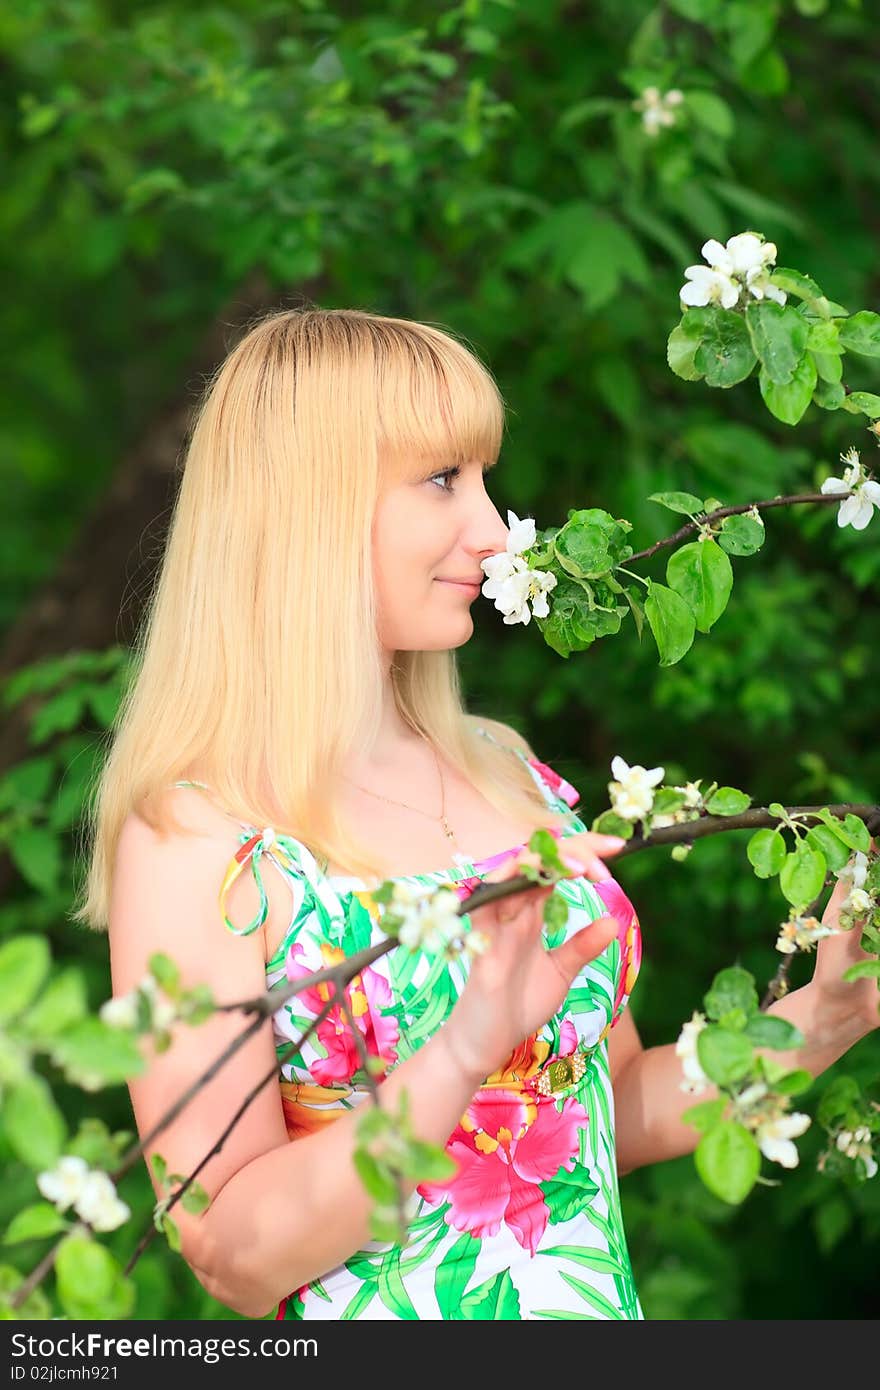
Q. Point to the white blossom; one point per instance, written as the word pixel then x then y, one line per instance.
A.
pixel 658 109
pixel 121 1011
pixel 162 1011
pixel 854 871
pixel 748 1100
pixel 98 1204
pixel 692 794
pixel 707 286
pixel 64 1183
pixel 510 581
pixel 859 903
pixel 695 1079
pixel 801 934
pixel 857 1144
pixel 631 792
pixel 741 267
pixel 774 1138
pixel 855 511
pixel 431 918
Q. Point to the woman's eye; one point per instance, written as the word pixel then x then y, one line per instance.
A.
pixel 449 473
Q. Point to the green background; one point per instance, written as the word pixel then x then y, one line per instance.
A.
pixel 172 170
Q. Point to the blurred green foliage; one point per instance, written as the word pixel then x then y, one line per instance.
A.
pixel 479 166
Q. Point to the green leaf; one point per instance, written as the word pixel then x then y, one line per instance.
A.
pixel 671 621
pixel 90 1283
pixel 728 1161
pixel 684 502
pixel 767 1030
pixel 36 853
pixel 852 831
pixel 766 852
pixel 568 1193
pixel 725 1056
pixel 802 876
pixel 453 1274
pixel 733 988
pixel 841 1096
pixel 591 543
pixel 862 403
pixel 702 574
pixel 35 1223
pixel 728 801
pixel 681 348
pixel 711 112
pixel 802 286
pixel 375 1178
pixel 861 333
pixel 33 1125
pixel 789 402
pixel 609 823
pixel 555 912
pixel 823 336
pixel 492 1301
pixel 160 1168
pixel 828 395
pixel 779 337
pixel 741 535
pixel 706 1115
pixel 836 853
pixel 171 1231
pixel 791 1083
pixel 599 1260
pixel 24 964
pixel 95 1050
pixel 35 1306
pixel 725 355
pixel 61 1004
pixel 863 970
pixel 166 972
pixel 427 1162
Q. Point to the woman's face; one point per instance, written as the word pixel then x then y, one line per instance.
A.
pixel 426 533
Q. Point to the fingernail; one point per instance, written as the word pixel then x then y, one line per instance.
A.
pixel 616 840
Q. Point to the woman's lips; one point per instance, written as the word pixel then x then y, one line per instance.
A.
pixel 472 589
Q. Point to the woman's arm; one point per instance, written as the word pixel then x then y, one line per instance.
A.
pixel 648 1098
pixel 832 1014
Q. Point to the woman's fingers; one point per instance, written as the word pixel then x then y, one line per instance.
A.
pixel 585 945
pixel 585 853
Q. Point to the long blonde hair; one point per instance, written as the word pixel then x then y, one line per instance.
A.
pixel 256 661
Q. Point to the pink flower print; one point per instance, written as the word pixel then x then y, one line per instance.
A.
pixel 629 936
pixel 505 1145
pixel 367 995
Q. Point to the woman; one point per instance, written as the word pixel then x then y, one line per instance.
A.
pixel 294 735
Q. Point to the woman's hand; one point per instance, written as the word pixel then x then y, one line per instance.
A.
pixel 517 984
pixel 834 955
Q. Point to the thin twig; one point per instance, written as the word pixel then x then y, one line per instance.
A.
pixel 721 512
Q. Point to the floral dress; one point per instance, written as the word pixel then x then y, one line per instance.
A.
pixel 530 1225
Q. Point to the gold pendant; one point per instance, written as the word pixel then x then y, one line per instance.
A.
pixel 562 1074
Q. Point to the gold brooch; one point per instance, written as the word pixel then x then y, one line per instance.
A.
pixel 562 1074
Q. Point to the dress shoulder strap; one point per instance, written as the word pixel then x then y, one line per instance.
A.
pixel 291 858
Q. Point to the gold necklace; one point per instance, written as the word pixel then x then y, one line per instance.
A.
pixel 447 828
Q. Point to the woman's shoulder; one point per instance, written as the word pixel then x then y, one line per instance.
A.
pixel 184 851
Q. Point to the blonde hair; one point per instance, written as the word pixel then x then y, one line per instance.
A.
pixel 256 662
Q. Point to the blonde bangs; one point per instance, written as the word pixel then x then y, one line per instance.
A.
pixel 437 405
